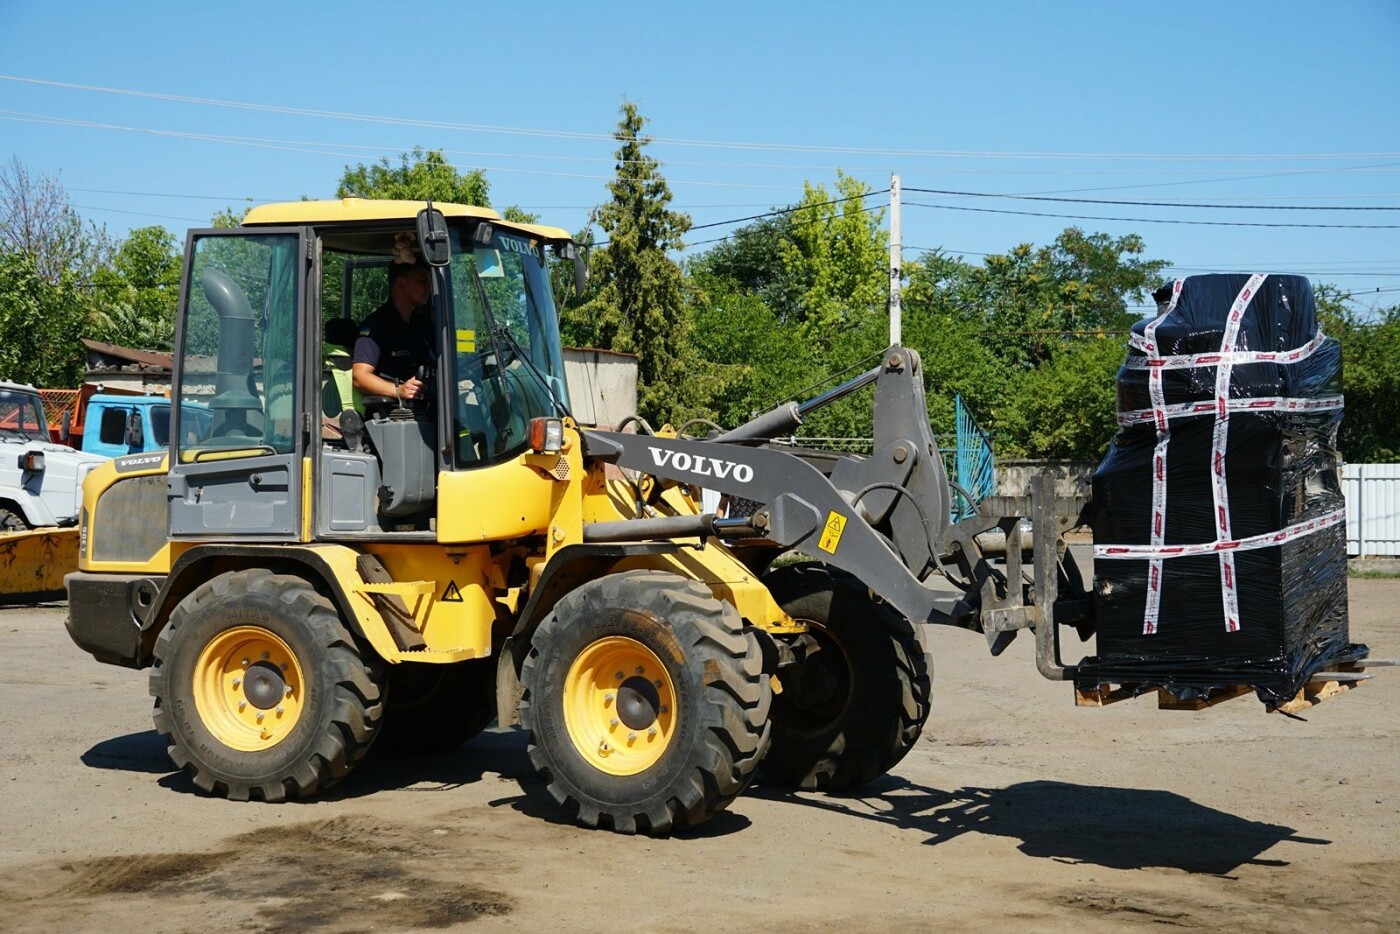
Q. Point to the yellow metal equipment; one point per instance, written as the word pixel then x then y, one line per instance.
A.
pixel 307 575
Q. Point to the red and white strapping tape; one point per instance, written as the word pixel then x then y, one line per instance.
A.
pixel 1161 414
pixel 1263 403
pixel 1254 542
pixel 1232 358
pixel 1155 569
pixel 1229 584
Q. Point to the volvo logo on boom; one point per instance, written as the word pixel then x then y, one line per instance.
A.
pixel 704 466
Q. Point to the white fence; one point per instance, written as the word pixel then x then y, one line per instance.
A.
pixel 1373 508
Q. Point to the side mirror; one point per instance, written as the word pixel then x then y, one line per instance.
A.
pixel 580 274
pixel 568 249
pixel 65 426
pixel 135 434
pixel 432 236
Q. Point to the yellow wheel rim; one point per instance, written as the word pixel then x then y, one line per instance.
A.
pixel 248 688
pixel 619 706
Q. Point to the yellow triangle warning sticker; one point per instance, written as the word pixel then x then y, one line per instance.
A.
pixel 452 594
pixel 831 535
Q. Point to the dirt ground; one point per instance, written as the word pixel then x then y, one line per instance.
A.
pixel 1017 811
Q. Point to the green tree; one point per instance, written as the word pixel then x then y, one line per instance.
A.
pixel 1006 325
pixel 1066 407
pixel 838 253
pixel 136 296
pixel 1370 375
pixel 228 218
pixel 40 324
pixel 37 220
pixel 419 175
pixel 1031 301
pixel 637 303
pixel 816 280
pixel 750 262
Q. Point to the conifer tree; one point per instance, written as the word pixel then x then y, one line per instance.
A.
pixel 638 301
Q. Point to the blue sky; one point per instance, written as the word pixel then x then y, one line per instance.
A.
pixel 1282 103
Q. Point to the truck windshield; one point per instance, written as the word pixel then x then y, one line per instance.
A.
pixel 507 366
pixel 20 415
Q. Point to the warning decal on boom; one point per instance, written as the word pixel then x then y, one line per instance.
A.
pixel 831 535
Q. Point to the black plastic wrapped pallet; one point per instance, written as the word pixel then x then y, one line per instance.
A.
pixel 1280 472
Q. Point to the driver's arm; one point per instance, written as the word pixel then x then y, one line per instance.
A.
pixel 370 383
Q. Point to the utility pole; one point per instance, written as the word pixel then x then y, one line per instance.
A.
pixel 896 261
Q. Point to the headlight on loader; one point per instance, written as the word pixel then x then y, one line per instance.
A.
pixel 546 435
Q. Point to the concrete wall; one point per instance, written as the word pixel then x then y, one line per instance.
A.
pixel 602 385
pixel 1072 478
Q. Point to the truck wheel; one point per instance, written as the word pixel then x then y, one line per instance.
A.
pixel 646 702
pixel 260 689
pixel 12 521
pixel 436 708
pixel 857 697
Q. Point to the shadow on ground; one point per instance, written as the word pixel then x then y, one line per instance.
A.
pixel 500 753
pixel 493 756
pixel 1120 828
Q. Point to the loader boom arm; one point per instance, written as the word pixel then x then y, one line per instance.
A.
pixel 881 518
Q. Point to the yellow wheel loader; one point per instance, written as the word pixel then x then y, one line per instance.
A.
pixel 305 573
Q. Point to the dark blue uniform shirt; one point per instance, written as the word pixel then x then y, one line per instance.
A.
pixel 396 350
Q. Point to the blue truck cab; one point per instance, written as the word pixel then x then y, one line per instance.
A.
pixel 117 425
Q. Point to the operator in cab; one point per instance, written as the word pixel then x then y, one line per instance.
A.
pixel 397 338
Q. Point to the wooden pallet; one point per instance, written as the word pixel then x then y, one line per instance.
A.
pixel 1104 694
pixel 1337 680
pixel 1323 685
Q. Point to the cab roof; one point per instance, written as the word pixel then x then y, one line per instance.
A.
pixel 356 210
pixel 351 210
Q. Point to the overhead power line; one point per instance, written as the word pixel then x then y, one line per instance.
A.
pixel 789 210
pixel 1149 220
pixel 1160 204
pixel 719 144
pixel 792 210
pixel 316 149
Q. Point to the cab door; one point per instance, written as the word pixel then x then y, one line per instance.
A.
pixel 235 473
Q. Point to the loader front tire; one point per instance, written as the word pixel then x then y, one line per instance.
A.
pixel 260 689
pixel 646 703
pixel 855 701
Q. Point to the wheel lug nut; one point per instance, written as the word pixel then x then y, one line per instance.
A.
pixel 618 676
pixel 237 682
pixel 264 656
pixel 609 697
pixel 662 709
pixel 631 737
pixel 651 732
pixel 260 716
pixel 245 663
pixel 640 669
pixel 280 710
pixel 657 682
pixel 242 704
pixel 612 722
pixel 287 690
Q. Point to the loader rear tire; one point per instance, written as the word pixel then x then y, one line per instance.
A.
pixel 436 708
pixel 260 689
pixel 856 700
pixel 646 703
